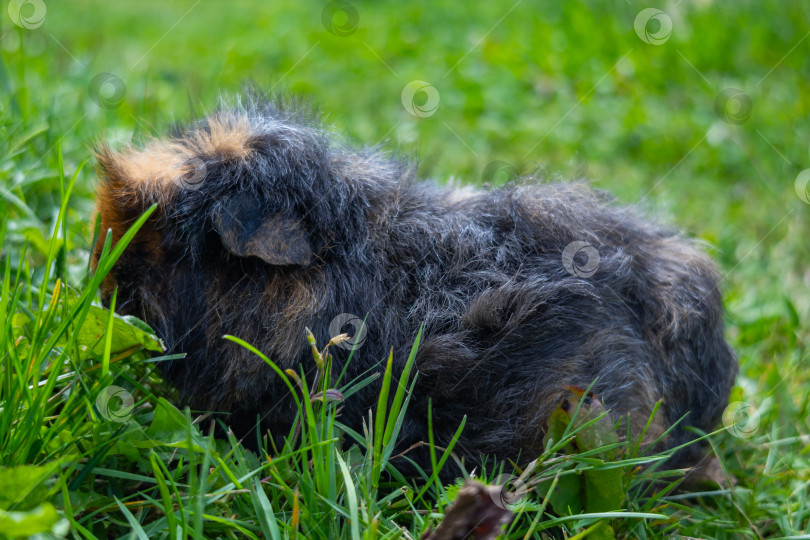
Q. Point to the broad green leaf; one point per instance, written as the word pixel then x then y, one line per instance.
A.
pixel 128 333
pixel 170 427
pixel 591 490
pixel 40 519
pixel 22 486
pixel 604 489
pixel 600 531
pixel 568 497
pixel 19 321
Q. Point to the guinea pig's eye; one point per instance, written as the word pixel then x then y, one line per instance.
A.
pixel 248 230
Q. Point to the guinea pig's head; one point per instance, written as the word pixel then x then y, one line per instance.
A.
pixel 244 197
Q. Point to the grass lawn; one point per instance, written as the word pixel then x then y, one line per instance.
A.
pixel 697 114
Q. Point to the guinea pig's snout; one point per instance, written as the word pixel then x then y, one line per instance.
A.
pixel 106 291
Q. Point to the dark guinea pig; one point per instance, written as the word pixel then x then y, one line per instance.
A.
pixel 264 227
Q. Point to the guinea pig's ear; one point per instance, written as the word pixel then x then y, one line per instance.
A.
pixel 246 230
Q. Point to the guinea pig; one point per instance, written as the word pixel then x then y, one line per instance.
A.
pixel 267 224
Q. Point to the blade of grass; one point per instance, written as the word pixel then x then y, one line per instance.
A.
pixel 351 494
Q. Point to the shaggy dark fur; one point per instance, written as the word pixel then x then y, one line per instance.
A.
pixel 264 227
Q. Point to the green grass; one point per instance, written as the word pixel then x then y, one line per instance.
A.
pixel 564 87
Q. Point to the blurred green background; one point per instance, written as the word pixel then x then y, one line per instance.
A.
pixel 699 116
